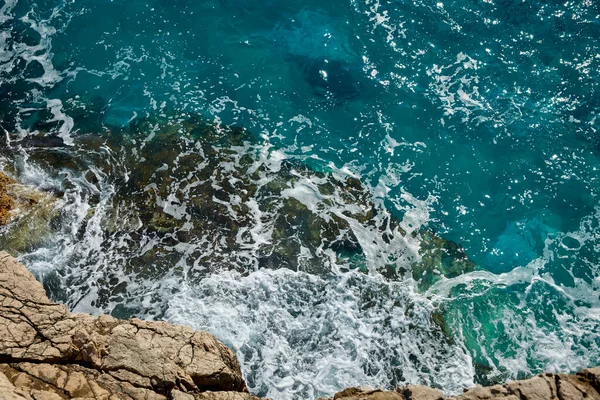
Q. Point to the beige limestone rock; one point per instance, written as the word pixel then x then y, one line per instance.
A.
pixel 367 394
pixel 177 395
pixel 537 388
pixel 422 393
pixel 224 396
pixel 593 375
pixel 53 352
pixel 583 386
pixel 485 393
pixel 9 391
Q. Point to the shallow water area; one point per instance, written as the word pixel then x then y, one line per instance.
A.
pixel 346 193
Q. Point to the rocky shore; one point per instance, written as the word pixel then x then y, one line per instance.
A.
pixel 48 353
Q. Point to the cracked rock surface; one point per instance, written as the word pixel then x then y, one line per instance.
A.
pixel 46 352
pixel 585 385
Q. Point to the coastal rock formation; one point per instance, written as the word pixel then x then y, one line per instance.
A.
pixel 580 386
pixel 6 201
pixel 25 212
pixel 46 352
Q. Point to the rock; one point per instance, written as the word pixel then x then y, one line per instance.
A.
pixel 422 393
pixel 44 348
pixel 593 375
pixel 224 396
pixel 10 392
pixel 485 393
pixel 582 386
pixel 25 214
pixel 576 387
pixel 367 394
pixel 537 388
pixel 6 201
pixel 410 392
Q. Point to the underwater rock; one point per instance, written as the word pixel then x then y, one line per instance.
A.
pixel 211 181
pixel 439 257
pixel 333 80
pixel 184 198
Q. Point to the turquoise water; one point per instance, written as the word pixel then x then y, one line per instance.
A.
pixel 472 119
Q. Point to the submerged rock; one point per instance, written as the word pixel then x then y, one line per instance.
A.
pixel 182 198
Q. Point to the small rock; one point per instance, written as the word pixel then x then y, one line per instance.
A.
pixel 366 394
pixel 422 393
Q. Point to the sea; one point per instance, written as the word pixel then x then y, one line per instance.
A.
pixel 345 192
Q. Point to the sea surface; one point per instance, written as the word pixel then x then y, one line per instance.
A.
pixel 272 171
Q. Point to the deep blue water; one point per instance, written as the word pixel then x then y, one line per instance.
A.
pixel 476 119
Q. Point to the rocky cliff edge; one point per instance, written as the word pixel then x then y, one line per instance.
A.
pixel 48 353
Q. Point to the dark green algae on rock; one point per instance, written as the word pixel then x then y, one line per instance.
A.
pixel 182 198
pixel 26 215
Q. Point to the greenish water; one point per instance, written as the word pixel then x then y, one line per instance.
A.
pixel 475 120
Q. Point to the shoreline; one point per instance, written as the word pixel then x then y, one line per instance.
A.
pixel 49 353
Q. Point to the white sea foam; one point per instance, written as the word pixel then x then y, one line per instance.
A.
pixel 543 325
pixel 301 336
pixel 6 9
pixel 456 87
pixel 42 52
pixel 11 54
pixel 66 126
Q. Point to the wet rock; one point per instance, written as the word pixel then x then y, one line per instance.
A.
pixel 182 198
pixel 25 215
pixel 440 257
pixel 191 179
pixel 7 203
